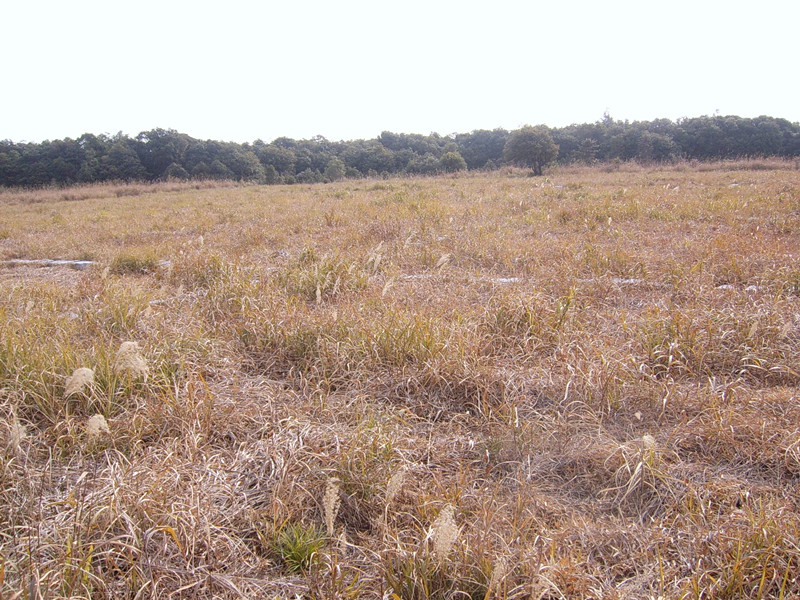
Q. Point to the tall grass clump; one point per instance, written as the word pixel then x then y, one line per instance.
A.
pixel 317 279
pixel 730 342
pixel 527 325
pixel 435 566
pixel 134 264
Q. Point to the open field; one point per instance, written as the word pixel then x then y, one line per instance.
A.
pixel 578 386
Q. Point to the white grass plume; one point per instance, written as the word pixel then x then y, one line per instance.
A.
pixel 129 361
pixel 499 572
pixel 395 483
pixel 392 489
pixel 96 426
pixel 17 432
pixel 330 502
pixel 443 261
pixel 445 532
pixel 80 380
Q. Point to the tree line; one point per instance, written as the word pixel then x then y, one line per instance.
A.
pixel 163 154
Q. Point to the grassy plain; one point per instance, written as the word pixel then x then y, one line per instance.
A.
pixel 583 385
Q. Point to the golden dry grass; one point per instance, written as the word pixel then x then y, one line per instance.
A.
pixel 579 386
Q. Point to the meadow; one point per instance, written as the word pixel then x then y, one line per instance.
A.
pixel 583 385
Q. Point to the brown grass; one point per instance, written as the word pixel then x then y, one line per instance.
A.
pixel 578 386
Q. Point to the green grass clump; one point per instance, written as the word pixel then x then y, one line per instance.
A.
pixel 134 264
pixel 298 546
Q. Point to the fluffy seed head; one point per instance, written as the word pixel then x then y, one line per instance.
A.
pixel 394 485
pixel 130 361
pixel 445 532
pixel 79 380
pixel 17 432
pixel 498 573
pixel 330 503
pixel 97 425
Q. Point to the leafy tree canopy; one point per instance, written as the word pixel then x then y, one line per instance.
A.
pixel 452 162
pixel 531 147
pixel 166 153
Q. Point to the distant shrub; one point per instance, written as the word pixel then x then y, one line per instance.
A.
pixel 452 162
pixel 310 176
pixel 531 147
pixel 175 171
pixel 335 170
pixel 219 170
pixel 270 175
pixel 427 164
pixel 133 264
pixel 201 171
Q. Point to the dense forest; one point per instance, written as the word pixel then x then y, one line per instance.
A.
pixel 167 154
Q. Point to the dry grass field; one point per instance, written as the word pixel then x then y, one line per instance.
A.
pixel 585 385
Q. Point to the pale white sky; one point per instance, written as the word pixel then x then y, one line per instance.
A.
pixel 239 70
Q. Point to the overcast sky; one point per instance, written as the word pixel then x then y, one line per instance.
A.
pixel 238 70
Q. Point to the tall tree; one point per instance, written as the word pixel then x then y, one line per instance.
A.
pixel 122 163
pixel 482 146
pixel 452 162
pixel 531 147
pixel 160 148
